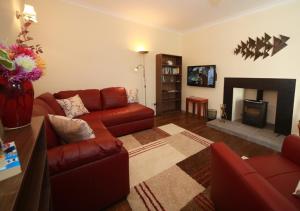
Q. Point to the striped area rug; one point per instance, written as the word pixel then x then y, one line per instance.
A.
pixel 169 169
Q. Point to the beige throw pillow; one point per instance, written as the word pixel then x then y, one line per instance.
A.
pixel 73 106
pixel 132 96
pixel 71 130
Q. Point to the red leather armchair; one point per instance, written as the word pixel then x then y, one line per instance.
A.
pixel 259 183
pixel 92 174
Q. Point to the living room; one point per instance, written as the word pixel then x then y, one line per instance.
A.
pixel 94 45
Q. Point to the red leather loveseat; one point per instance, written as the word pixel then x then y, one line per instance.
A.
pixel 92 174
pixel 263 183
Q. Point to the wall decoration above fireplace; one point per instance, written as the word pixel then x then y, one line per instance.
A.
pixel 261 47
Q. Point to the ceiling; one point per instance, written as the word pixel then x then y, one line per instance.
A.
pixel 177 15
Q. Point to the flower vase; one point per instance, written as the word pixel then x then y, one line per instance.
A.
pixel 16 103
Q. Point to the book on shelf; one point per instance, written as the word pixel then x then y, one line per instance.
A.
pixel 9 161
pixel 170 70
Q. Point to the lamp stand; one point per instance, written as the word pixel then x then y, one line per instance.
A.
pixel 143 53
pixel 144 77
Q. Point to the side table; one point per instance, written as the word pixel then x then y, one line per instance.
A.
pixel 201 103
pixel 29 190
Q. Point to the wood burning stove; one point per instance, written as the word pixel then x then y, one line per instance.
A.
pixel 255 113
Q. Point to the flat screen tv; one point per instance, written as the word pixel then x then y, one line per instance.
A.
pixel 203 76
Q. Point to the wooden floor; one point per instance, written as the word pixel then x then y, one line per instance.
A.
pixel 198 126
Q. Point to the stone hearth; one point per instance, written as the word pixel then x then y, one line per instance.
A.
pixel 263 136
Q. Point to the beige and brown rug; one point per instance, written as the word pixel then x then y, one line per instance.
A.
pixel 169 169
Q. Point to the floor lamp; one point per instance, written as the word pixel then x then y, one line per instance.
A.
pixel 141 67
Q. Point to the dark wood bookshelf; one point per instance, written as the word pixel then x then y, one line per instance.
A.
pixel 168 83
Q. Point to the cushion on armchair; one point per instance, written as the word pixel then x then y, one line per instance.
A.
pixel 114 97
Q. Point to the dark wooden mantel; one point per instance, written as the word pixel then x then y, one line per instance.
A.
pixel 285 98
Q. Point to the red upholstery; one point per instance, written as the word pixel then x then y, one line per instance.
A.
pixel 70 156
pixel 114 97
pixel 92 174
pixel 90 97
pixel 131 127
pixel 52 103
pixel 117 116
pixel 41 108
pixel 276 165
pixel 92 186
pixel 240 185
pixel 286 184
pixel 291 148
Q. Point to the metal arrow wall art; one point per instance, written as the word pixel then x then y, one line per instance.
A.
pixel 261 47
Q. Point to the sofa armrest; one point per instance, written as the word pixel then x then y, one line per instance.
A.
pixel 236 185
pixel 291 148
pixel 92 186
pixel 69 156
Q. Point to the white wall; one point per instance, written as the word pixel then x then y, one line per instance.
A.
pixel 10 25
pixel 87 49
pixel 215 45
pixel 237 103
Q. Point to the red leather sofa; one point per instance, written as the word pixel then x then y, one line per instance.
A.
pixel 92 174
pixel 259 183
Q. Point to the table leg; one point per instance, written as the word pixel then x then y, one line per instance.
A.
pixel 199 107
pixel 194 107
pixel 205 110
pixel 187 106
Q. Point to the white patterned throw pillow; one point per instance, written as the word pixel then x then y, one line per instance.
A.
pixel 71 130
pixel 73 106
pixel 132 96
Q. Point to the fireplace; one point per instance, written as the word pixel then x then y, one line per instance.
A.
pixel 255 113
pixel 285 89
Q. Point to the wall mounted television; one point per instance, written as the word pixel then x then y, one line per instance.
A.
pixel 202 76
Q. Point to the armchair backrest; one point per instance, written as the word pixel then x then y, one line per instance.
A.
pixel 291 148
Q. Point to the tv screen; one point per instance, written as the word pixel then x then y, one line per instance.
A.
pixel 203 76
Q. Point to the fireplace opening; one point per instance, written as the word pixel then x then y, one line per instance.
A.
pixel 285 89
pixel 255 113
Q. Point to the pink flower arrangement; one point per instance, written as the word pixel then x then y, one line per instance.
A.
pixel 20 63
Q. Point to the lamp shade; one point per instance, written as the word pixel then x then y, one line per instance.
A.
pixel 29 13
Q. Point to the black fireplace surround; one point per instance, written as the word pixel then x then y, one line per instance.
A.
pixel 285 98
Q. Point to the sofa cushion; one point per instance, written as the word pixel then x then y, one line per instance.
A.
pixel 272 165
pixel 90 97
pixel 286 184
pixel 236 185
pixel 117 116
pixel 73 106
pixel 113 97
pixel 51 101
pixel 71 130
